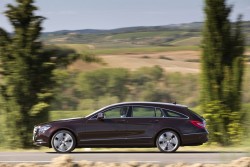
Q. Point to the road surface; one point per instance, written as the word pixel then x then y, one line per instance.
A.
pixel 143 157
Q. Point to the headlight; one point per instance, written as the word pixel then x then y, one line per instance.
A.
pixel 35 130
pixel 43 129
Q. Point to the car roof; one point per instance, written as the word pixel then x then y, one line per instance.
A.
pixel 150 103
pixel 157 104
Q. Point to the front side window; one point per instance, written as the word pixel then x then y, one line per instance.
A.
pixel 143 112
pixel 119 112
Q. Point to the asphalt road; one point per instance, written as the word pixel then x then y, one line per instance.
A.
pixel 143 157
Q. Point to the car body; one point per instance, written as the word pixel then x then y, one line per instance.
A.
pixel 129 124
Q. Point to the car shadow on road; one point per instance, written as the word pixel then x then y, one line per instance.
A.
pixel 148 152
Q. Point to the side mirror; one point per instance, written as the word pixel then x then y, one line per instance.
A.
pixel 100 116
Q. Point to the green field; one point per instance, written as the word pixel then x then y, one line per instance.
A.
pixel 192 41
pixel 143 50
pixel 154 34
pixel 56 115
pixel 77 47
pixel 128 50
pixel 179 46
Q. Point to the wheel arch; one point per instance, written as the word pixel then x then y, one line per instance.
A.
pixel 170 129
pixel 66 129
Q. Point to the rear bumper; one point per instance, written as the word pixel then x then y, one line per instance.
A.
pixel 194 139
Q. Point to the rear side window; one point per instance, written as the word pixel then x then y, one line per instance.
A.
pixel 146 112
pixel 173 114
pixel 143 112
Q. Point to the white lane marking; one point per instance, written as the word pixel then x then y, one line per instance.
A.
pixel 25 161
pixel 75 161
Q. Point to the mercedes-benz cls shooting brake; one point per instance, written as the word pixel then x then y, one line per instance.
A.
pixel 131 124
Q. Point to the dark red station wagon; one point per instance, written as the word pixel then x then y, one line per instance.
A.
pixel 130 124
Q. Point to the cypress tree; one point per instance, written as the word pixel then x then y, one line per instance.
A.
pixel 222 72
pixel 26 73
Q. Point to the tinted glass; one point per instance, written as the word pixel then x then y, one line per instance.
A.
pixel 147 112
pixel 158 113
pixel 199 116
pixel 118 112
pixel 173 114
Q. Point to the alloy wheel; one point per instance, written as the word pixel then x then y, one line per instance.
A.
pixel 168 141
pixel 63 141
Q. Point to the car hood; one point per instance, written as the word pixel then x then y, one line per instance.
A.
pixel 62 120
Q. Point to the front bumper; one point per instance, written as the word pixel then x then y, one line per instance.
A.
pixel 41 139
pixel 41 143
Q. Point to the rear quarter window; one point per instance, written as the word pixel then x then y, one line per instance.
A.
pixel 173 114
pixel 195 114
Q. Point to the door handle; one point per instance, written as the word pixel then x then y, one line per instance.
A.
pixel 122 121
pixel 155 121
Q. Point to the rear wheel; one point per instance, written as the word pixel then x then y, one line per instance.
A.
pixel 168 141
pixel 63 141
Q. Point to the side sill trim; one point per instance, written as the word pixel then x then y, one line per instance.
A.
pixel 115 139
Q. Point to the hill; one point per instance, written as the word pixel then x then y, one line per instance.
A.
pixel 133 37
pixel 175 48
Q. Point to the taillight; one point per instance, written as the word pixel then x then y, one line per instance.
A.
pixel 199 124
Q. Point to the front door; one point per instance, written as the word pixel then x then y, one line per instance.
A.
pixel 107 131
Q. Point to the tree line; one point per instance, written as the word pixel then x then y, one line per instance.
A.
pixel 77 90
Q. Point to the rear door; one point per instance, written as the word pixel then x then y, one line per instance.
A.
pixel 141 125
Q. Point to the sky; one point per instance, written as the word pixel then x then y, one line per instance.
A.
pixel 110 14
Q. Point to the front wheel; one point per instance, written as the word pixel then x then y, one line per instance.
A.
pixel 63 141
pixel 168 141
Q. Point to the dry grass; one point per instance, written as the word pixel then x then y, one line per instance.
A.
pixel 171 61
pixel 174 61
pixel 67 161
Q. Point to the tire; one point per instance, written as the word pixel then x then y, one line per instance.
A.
pixel 168 141
pixel 63 141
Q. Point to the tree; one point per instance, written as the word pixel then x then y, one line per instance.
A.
pixel 140 78
pixel 117 85
pixel 222 70
pixel 103 82
pixel 26 73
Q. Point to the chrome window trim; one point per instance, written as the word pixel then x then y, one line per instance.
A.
pixel 132 105
pixel 82 140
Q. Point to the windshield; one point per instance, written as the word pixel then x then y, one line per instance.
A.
pixel 96 111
